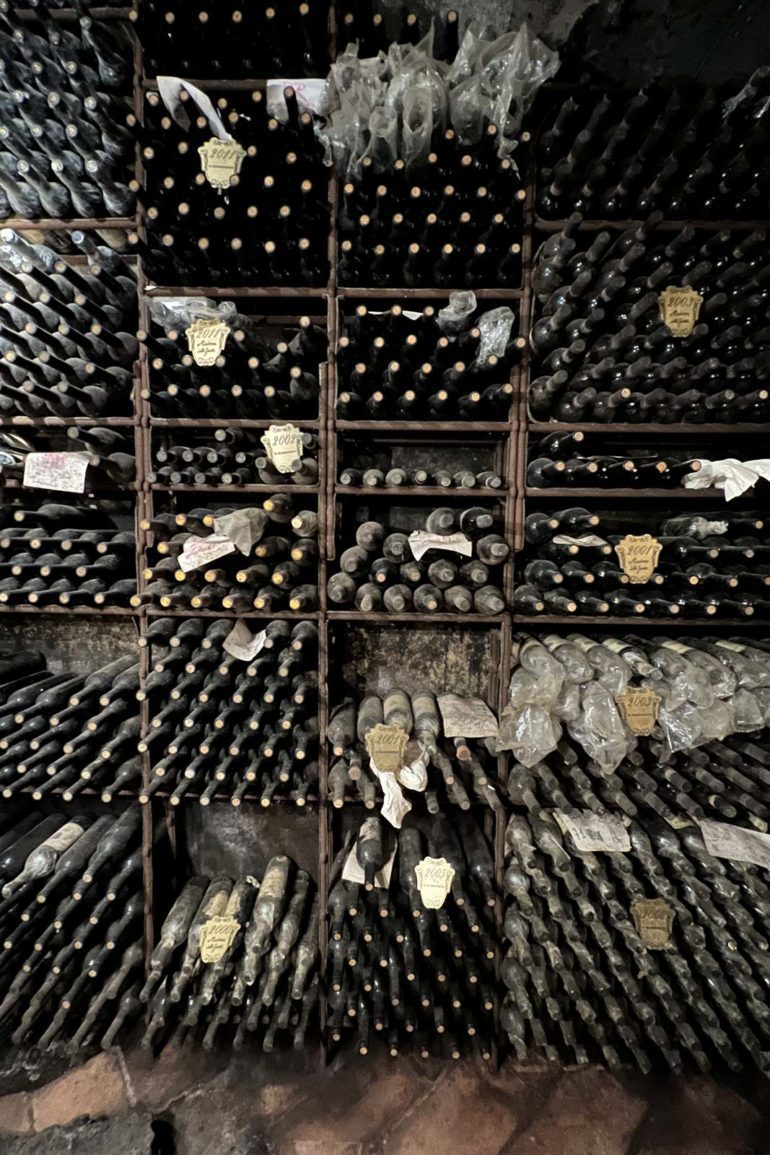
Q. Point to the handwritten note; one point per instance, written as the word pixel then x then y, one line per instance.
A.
pixel 63 471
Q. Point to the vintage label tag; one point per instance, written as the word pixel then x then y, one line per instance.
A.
pixel 63 471
pixel 654 920
pixel 434 881
pixel 679 309
pixel 466 717
pixel 386 745
pixel 352 871
pixel 206 340
pixel 639 709
pixel 200 551
pixel 217 936
pixel 283 446
pixel 242 644
pixel 736 843
pixel 221 160
pixel 421 541
pixel 638 555
pixel 595 832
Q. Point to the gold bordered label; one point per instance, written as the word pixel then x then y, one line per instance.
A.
pixel 206 340
pixel 639 709
pixel 654 920
pixel 679 309
pixel 217 936
pixel 434 881
pixel 283 445
pixel 638 555
pixel 386 746
pixel 221 160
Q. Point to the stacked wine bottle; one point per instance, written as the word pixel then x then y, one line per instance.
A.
pixel 588 933
pixel 67 331
pixel 63 555
pixel 72 916
pixel 603 351
pixel 221 725
pixel 233 41
pixel 255 376
pixel 462 192
pixel 709 565
pixel 447 772
pixel 267 572
pixel 418 977
pixel 578 460
pixel 111 454
pixel 228 457
pixel 376 26
pixel 686 153
pixel 272 226
pixel 262 977
pixel 386 570
pixel 68 142
pixel 68 733
pixel 439 371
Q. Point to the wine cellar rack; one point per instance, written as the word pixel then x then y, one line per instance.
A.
pixel 506 442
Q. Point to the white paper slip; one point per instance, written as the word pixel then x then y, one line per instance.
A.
pixel 63 471
pixel 200 551
pixel 242 644
pixel 736 843
pixel 595 832
pixel 466 717
pixel 311 92
pixel 421 542
pixel 352 871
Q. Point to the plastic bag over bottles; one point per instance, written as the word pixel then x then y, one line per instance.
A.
pixel 391 105
pixel 181 312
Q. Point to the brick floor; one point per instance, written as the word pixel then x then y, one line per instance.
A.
pixel 283 1105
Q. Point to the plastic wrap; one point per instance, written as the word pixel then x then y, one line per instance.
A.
pixel 599 728
pixel 567 704
pixel 495 327
pixel 577 668
pixel 535 659
pixel 536 734
pixel 383 136
pixel 748 713
pixel 681 726
pixel 180 312
pixel 454 316
pixel 417 115
pixel 489 81
pixel 718 721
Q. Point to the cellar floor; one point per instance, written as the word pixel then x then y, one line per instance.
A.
pixel 191 1103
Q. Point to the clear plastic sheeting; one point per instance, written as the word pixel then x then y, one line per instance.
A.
pixel 453 318
pixel 705 689
pixel 391 105
pixel 181 312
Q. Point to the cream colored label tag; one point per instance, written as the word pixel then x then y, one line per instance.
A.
pixel 220 161
pixel 421 541
pixel 679 309
pixel 595 832
pixel 654 920
pixel 62 471
pixel 434 881
pixel 198 551
pixel 217 936
pixel 206 340
pixel 466 717
pixel 283 445
pixel 386 745
pixel 638 555
pixel 639 709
